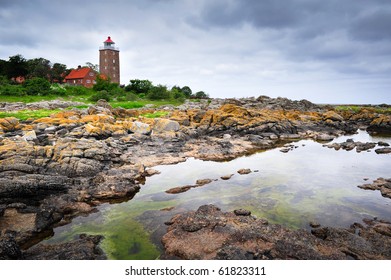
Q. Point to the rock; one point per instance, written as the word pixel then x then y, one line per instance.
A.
pixel 9 249
pixel 209 233
pixel 333 116
pixel 177 190
pixel 324 137
pixel 242 212
pixel 29 135
pixel 380 125
pixel 226 177
pixel 9 124
pixel 314 224
pixel 202 182
pixel 150 172
pixel 86 247
pixel 165 125
pixel 383 151
pixel 383 144
pixel 244 171
pixel 140 128
pixel 381 184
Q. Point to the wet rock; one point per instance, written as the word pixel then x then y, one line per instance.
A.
pixel 165 125
pixel 9 249
pixel 226 177
pixel 314 224
pixel 244 171
pixel 9 124
pixel 242 212
pixel 182 189
pixel 381 184
pixel 383 144
pixel 86 247
pixel 333 116
pixel 202 182
pixel 140 128
pixel 209 233
pixel 383 151
pixel 380 125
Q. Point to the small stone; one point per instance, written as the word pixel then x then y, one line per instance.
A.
pixel 226 177
pixel 202 182
pixel 383 144
pixel 314 224
pixel 244 171
pixel 242 212
pixel 30 135
pixel 383 151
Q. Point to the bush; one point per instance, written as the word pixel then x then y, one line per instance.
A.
pixel 131 96
pixel 158 92
pixel 77 90
pixel 201 95
pixel 10 90
pixel 58 90
pixel 139 86
pixel 104 84
pixel 177 93
pixel 101 95
pixel 37 86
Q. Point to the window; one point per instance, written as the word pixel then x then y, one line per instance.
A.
pixel 91 74
pixel 113 75
pixel 113 61
pixel 88 81
pixel 113 67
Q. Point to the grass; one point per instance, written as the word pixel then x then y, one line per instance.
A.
pixel 27 114
pixel 358 108
pixel 157 114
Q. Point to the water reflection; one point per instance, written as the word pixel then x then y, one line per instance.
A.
pixel 310 183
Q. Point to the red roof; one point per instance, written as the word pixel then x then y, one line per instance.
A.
pixel 78 73
pixel 109 40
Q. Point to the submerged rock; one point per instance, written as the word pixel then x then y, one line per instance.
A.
pixel 381 184
pixel 209 233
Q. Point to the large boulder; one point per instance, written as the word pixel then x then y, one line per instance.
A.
pixel 9 124
pixel 209 233
pixel 165 125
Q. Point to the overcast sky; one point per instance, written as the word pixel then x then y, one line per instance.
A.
pixel 327 51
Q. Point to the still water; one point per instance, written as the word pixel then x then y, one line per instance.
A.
pixel 309 183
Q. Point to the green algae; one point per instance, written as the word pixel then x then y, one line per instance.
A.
pixel 310 183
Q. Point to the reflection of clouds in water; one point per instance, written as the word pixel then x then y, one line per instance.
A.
pixel 309 183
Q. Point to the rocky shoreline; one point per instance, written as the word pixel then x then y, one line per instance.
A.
pixel 54 169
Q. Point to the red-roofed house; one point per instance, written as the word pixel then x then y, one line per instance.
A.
pixel 82 76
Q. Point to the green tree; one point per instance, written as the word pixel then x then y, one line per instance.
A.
pixel 139 86
pixel 3 67
pixel 58 73
pixel 187 91
pixel 94 67
pixel 16 66
pixel 177 93
pixel 201 95
pixel 158 92
pixel 37 86
pixel 104 84
pixel 39 68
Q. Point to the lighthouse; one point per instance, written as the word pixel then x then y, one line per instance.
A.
pixel 109 60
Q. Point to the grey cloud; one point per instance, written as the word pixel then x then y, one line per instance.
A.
pixel 372 27
pixel 266 13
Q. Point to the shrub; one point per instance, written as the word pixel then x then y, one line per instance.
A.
pixel 12 90
pixel 37 86
pixel 158 92
pixel 101 95
pixel 77 90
